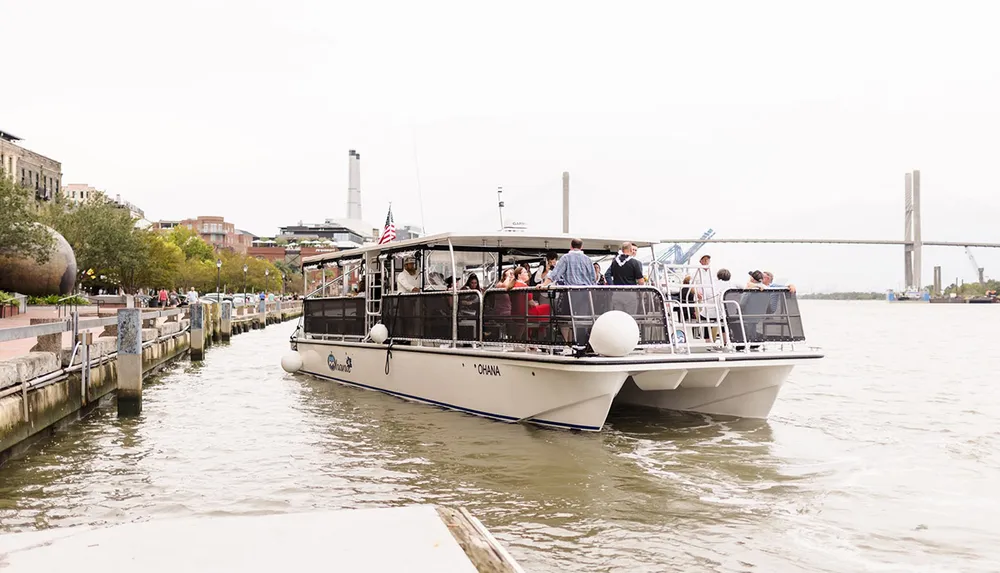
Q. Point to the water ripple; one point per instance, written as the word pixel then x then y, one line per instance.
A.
pixel 883 457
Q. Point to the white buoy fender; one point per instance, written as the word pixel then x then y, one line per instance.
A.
pixel 615 333
pixel 379 333
pixel 291 362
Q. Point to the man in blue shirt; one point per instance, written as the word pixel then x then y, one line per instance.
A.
pixel 776 298
pixel 574 269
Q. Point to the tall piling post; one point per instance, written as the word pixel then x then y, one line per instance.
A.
pixel 129 361
pixel 565 197
pixel 216 322
pixel 197 332
pixel 937 281
pixel 262 314
pixel 227 320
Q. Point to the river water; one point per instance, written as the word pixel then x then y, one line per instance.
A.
pixel 884 456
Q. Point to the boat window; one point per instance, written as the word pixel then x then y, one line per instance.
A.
pixel 437 268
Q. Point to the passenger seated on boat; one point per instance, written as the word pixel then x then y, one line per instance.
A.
pixel 498 313
pixel 408 280
pixel 469 305
pixel 525 311
pixel 472 283
pixel 756 281
pixel 361 287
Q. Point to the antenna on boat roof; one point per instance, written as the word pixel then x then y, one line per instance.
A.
pixel 500 204
pixel 420 193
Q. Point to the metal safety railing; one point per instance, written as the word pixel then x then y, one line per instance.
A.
pixel 558 316
pixel 82 343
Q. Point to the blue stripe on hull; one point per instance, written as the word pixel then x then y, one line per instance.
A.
pixel 454 407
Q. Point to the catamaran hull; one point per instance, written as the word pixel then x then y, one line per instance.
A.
pixel 745 391
pixel 508 390
pixel 569 393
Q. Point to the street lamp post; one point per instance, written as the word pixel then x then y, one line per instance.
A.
pixel 244 280
pixel 282 285
pixel 218 279
pixel 266 273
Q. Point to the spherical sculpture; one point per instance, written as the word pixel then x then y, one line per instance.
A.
pixel 615 333
pixel 24 275
pixel 379 333
pixel 291 362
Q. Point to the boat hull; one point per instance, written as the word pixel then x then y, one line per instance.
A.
pixel 495 387
pixel 553 391
pixel 744 391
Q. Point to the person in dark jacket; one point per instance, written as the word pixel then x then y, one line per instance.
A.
pixel 625 270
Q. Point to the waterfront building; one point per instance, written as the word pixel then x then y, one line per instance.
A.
pixel 79 192
pixel 213 230
pixel 345 233
pixel 30 169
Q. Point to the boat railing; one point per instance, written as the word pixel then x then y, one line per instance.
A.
pixel 434 316
pixel 342 316
pixel 764 316
pixel 559 316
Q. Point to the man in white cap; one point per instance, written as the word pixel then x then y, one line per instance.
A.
pixel 408 280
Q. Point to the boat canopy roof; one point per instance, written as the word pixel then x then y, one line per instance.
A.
pixel 493 242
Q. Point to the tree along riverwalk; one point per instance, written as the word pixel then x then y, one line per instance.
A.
pixel 52 385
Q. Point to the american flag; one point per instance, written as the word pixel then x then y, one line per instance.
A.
pixel 389 232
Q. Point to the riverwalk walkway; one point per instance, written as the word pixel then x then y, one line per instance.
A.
pixel 59 365
pixel 20 347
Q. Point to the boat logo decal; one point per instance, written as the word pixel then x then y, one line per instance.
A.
pixel 331 361
pixel 487 369
pixel 681 339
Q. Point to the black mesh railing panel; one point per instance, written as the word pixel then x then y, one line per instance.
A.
pixel 342 316
pixel 768 316
pixel 429 315
pixel 565 316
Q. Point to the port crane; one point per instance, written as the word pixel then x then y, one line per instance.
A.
pixel 975 265
pixel 676 255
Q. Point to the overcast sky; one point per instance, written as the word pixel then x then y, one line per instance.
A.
pixel 752 118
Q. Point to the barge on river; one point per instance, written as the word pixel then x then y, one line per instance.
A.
pixel 555 356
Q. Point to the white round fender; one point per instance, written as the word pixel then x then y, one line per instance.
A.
pixel 615 333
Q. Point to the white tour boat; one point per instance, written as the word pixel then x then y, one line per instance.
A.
pixel 556 356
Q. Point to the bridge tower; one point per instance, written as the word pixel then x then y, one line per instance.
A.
pixel 913 249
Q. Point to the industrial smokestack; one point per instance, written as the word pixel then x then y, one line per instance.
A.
pixel 565 225
pixel 354 185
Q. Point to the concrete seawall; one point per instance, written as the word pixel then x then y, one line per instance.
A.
pixel 41 391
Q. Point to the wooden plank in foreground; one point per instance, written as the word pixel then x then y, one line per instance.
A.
pixel 485 552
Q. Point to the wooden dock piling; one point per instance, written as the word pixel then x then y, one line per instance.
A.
pixel 129 361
